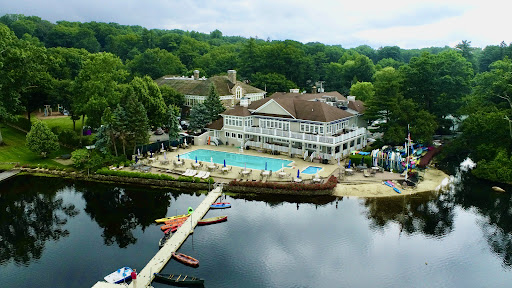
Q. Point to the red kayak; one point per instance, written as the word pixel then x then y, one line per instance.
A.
pixel 187 260
pixel 212 220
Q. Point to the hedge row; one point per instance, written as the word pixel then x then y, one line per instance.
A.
pixel 328 185
pixel 108 172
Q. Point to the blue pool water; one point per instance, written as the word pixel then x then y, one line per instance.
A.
pixel 311 170
pixel 240 160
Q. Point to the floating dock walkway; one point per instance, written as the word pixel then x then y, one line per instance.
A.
pixel 157 263
pixel 8 174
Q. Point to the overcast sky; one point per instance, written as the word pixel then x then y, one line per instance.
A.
pixel 350 23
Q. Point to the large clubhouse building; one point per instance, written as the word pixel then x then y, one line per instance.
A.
pixel 196 89
pixel 319 126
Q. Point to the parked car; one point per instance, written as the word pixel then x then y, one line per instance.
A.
pixel 159 131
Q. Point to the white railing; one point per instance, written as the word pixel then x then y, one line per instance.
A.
pixel 308 137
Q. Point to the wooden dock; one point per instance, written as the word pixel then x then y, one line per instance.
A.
pixel 8 174
pixel 157 263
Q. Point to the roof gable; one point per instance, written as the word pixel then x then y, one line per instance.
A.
pixel 276 108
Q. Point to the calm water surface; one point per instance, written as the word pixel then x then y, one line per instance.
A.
pixel 56 233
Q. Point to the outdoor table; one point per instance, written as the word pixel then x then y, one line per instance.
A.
pixel 162 150
pixel 349 171
pixel 196 165
pixel 212 167
pixel 246 172
pixel 375 169
pixel 282 174
pixel 265 173
pixel 317 180
pixel 225 169
pixel 174 148
pixel 298 180
pixel 151 159
pixel 179 163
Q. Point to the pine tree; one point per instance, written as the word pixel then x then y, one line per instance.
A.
pixel 213 104
pixel 174 129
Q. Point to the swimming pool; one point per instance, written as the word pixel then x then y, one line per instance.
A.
pixel 233 159
pixel 311 170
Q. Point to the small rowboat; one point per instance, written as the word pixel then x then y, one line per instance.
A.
pixel 212 220
pixel 178 280
pixel 220 205
pixel 185 259
pixel 162 220
pixel 119 276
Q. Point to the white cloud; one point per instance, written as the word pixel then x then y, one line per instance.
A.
pixel 406 23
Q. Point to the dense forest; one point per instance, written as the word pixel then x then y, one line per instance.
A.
pixel 102 72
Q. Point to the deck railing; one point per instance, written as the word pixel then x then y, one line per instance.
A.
pixel 304 136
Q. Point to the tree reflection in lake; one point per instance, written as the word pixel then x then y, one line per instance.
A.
pixel 119 210
pixel 31 215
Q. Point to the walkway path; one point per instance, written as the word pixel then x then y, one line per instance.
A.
pixel 8 174
pixel 155 265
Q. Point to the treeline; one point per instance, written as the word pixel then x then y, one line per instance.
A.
pixel 89 67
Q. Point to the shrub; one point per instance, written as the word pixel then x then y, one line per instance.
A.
pixel 328 185
pixel 69 137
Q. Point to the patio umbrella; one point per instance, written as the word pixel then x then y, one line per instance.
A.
pixel 138 152
pixel 163 146
pixel 165 156
pixel 185 141
pixel 136 159
pixel 178 157
pixel 211 160
pixel 298 173
pixel 196 159
pixel 224 162
pixel 349 163
pixel 282 166
pixel 245 166
pixel 265 166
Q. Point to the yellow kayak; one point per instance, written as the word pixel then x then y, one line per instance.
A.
pixel 162 220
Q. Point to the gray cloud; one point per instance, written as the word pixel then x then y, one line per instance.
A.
pixel 348 23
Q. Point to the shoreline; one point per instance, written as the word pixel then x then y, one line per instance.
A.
pixel 432 178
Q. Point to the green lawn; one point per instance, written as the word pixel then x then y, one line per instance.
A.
pixel 16 150
pixel 64 123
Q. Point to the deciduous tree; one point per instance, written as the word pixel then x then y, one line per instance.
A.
pixel 41 139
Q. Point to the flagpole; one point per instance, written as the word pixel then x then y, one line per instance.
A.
pixel 407 151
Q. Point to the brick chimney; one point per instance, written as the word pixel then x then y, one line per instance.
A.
pixel 196 74
pixel 232 76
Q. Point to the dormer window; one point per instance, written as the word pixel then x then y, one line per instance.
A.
pixel 238 92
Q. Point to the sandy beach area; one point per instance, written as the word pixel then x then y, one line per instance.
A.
pixel 354 187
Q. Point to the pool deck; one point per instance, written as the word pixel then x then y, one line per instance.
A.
pixel 350 184
pixel 158 262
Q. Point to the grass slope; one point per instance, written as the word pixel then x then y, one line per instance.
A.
pixel 16 150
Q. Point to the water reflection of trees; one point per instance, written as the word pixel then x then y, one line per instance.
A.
pixel 428 213
pixel 30 215
pixel 277 200
pixel 120 210
pixel 496 211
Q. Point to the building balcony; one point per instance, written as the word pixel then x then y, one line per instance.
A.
pixel 305 137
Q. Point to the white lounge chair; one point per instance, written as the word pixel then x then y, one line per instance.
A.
pixel 192 173
pixel 200 174
pixel 206 175
pixel 186 172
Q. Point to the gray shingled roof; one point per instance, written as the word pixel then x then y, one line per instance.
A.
pixel 305 110
pixel 201 87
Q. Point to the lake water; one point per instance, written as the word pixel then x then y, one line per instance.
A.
pixel 58 233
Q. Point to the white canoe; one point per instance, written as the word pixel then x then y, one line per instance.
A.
pixel 120 275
